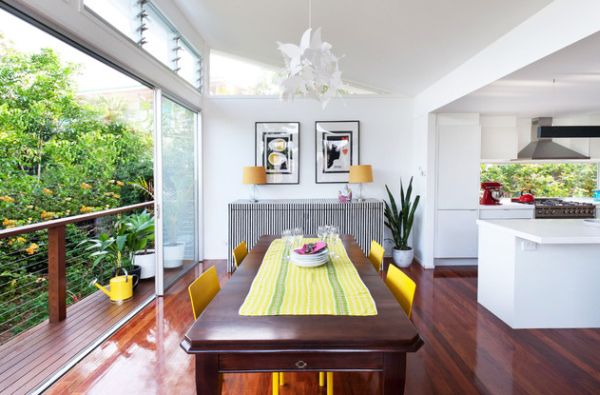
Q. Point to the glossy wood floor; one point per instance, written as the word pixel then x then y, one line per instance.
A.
pixel 467 351
pixel 35 355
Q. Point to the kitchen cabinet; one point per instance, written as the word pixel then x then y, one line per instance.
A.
pixel 458 164
pixel 499 138
pixel 459 148
pixel 506 214
pixel 456 234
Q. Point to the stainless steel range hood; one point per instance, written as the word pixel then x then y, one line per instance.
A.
pixel 545 148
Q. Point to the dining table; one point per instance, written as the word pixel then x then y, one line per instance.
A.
pixel 223 341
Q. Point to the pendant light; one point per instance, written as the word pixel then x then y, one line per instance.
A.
pixel 311 69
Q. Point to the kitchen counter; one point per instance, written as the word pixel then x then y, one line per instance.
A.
pixel 548 231
pixel 540 273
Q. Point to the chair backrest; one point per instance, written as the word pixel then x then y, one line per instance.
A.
pixel 376 255
pixel 203 290
pixel 239 253
pixel 402 287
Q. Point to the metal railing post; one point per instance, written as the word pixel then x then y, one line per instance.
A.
pixel 57 280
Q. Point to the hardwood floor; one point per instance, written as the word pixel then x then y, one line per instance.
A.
pixel 32 357
pixel 467 351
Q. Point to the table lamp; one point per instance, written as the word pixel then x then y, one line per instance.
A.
pixel 360 174
pixel 254 175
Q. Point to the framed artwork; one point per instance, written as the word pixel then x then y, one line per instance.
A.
pixel 337 147
pixel 277 150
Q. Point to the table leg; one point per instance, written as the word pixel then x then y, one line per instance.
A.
pixel 394 373
pixel 207 374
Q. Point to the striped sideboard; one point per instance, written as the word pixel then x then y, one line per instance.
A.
pixel 249 221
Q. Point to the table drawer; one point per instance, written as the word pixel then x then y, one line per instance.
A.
pixel 300 361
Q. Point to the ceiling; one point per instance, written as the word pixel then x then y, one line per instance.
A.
pixel 396 46
pixel 565 82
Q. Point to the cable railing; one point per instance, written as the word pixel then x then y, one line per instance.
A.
pixel 45 267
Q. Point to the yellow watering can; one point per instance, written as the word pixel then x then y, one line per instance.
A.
pixel 121 287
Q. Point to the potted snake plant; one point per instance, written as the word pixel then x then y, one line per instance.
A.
pixel 400 222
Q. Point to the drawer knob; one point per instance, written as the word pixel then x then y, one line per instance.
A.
pixel 301 364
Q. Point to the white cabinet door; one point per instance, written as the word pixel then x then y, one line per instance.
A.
pixel 456 234
pixel 506 214
pixel 459 150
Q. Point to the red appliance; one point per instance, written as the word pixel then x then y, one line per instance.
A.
pixel 492 192
pixel 525 198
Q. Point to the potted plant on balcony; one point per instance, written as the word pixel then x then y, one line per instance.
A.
pixel 400 223
pixel 113 249
pixel 140 237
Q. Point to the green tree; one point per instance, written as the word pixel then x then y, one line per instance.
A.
pixel 544 179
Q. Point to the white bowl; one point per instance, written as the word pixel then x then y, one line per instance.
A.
pixel 310 260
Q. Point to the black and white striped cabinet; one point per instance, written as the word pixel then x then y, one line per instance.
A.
pixel 248 221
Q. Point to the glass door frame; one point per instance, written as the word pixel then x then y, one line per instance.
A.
pixel 161 287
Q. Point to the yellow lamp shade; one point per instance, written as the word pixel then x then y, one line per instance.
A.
pixel 360 174
pixel 254 175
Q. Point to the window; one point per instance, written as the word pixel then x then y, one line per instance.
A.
pixel 189 65
pixel 544 179
pixel 122 14
pixel 158 38
pixel 75 136
pixel 234 76
pixel 143 22
pixel 230 75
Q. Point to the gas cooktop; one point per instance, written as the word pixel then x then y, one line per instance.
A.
pixel 558 208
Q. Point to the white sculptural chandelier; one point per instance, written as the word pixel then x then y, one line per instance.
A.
pixel 312 70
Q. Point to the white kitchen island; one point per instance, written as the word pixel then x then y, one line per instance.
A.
pixel 540 273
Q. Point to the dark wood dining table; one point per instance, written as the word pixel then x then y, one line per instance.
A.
pixel 225 342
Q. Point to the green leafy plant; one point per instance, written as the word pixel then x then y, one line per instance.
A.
pixel 139 229
pixel 110 249
pixel 400 221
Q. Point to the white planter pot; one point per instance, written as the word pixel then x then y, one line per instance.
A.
pixel 173 256
pixel 403 258
pixel 147 262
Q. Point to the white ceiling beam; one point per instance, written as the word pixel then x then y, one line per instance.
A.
pixel 555 27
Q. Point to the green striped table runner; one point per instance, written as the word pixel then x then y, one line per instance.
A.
pixel 282 288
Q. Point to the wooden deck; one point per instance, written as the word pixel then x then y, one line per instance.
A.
pixel 467 351
pixel 36 355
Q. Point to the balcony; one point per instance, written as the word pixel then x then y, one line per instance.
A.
pixel 59 317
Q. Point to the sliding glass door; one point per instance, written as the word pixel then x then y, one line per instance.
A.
pixel 177 185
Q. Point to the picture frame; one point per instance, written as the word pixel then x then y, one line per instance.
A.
pixel 277 149
pixel 337 147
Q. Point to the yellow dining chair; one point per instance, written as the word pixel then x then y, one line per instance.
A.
pixel 239 253
pixel 402 287
pixel 376 255
pixel 202 291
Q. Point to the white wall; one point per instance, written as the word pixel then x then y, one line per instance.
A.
pixel 228 141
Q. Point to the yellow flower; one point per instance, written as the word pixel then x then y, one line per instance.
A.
pixel 85 185
pixel 86 209
pixel 47 191
pixel 30 206
pixel 47 214
pixel 120 183
pixel 9 223
pixel 21 239
pixel 32 249
pixel 7 199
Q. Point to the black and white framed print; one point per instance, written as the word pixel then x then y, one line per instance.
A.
pixel 337 146
pixel 277 150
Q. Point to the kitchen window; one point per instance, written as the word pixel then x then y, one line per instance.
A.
pixel 544 179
